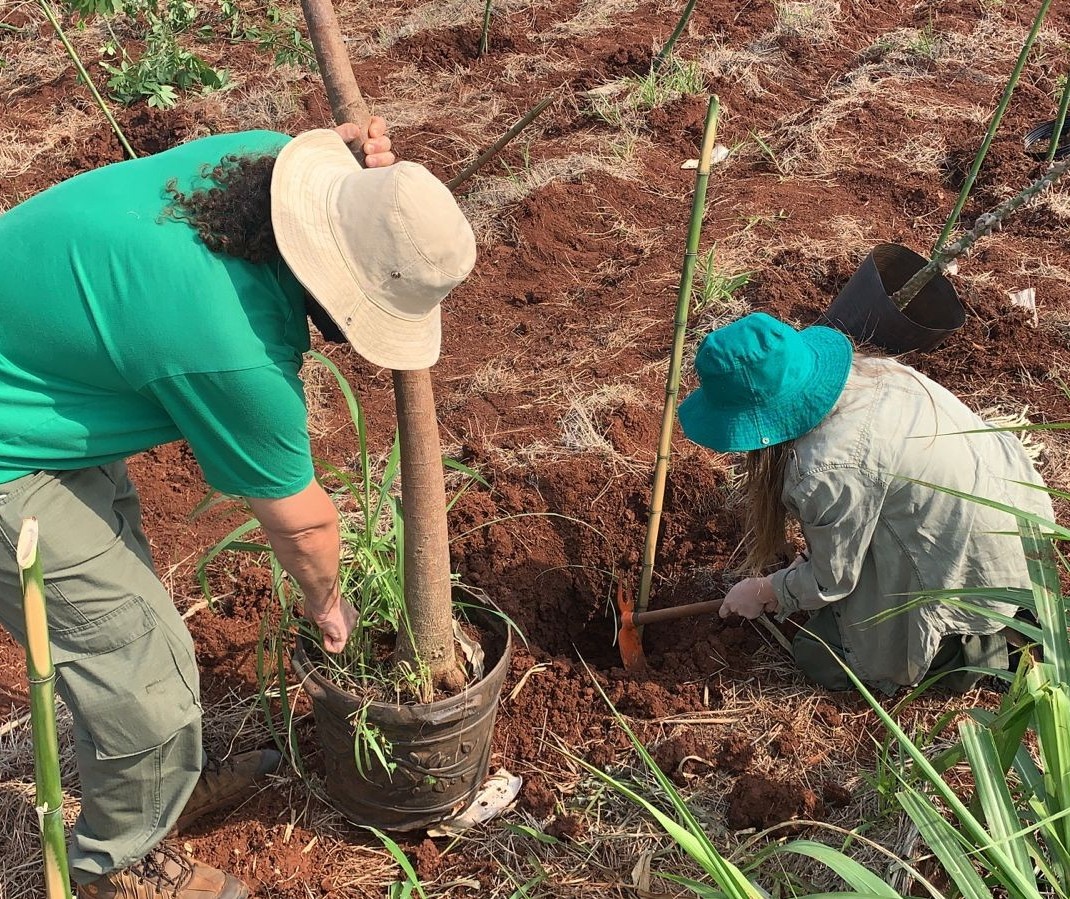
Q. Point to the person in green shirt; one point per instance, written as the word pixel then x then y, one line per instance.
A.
pixel 168 298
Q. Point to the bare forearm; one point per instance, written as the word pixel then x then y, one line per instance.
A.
pixel 311 558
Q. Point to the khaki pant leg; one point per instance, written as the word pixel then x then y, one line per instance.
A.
pixel 123 656
pixel 819 662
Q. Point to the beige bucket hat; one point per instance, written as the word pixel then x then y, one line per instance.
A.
pixel 378 248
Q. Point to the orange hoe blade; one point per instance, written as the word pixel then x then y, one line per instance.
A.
pixel 628 638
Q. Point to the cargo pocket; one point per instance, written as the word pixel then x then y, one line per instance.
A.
pixel 129 681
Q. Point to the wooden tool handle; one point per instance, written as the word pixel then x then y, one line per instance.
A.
pixel 671 614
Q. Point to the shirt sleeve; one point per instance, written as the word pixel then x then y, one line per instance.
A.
pixel 838 510
pixel 247 428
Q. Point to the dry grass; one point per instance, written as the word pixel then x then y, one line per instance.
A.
pixel 593 17
pixel 812 21
pixel 743 66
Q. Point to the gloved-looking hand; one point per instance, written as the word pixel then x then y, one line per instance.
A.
pixel 749 598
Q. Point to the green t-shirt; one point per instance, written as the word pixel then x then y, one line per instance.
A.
pixel 120 331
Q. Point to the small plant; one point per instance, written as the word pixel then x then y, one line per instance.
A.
pixel 164 67
pixel 278 34
pixel 371 573
pixel 716 289
pixel 621 102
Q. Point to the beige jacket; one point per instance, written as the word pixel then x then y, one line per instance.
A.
pixel 876 538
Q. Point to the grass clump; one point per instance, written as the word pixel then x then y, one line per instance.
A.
pixel 623 103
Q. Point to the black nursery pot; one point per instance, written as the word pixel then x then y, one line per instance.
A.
pixel 865 311
pixel 440 750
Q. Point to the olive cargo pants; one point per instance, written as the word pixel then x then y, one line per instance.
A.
pixel 819 663
pixel 123 656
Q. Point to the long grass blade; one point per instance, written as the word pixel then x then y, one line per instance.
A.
pixel 1047 592
pixel 400 857
pixel 945 842
pixel 847 869
pixel 1000 813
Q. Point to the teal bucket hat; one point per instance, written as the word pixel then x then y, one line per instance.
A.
pixel 764 383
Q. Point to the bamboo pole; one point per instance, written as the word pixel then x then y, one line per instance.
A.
pixel 672 385
pixel 1060 121
pixel 499 145
pixel 986 223
pixel 1005 100
pixel 426 638
pixel 76 60
pixel 484 37
pixel 663 54
pixel 42 677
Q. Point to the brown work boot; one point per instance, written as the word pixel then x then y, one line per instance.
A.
pixel 164 874
pixel 223 783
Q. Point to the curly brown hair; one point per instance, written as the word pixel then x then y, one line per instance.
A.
pixel 233 214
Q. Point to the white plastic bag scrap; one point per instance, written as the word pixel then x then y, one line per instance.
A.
pixel 719 155
pixel 1026 299
pixel 496 795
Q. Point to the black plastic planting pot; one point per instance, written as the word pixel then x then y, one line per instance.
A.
pixel 865 311
pixel 440 751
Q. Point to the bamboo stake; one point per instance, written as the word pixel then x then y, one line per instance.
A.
pixel 73 54
pixel 1060 121
pixel 427 637
pixel 672 386
pixel 986 223
pixel 663 54
pixel 499 145
pixel 42 677
pixel 1005 100
pixel 484 38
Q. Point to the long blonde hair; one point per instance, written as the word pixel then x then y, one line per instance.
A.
pixel 766 515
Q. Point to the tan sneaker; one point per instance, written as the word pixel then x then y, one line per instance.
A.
pixel 223 783
pixel 164 874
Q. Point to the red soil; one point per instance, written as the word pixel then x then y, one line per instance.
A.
pixel 547 297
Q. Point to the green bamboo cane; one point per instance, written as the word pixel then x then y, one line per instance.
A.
pixel 73 54
pixel 1060 120
pixel 663 54
pixel 1004 102
pixel 672 385
pixel 42 677
pixel 484 38
pixel 983 226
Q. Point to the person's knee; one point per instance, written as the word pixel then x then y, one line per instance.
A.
pixel 818 663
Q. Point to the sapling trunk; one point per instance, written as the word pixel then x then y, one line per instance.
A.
pixel 1005 100
pixel 672 385
pixel 42 677
pixel 983 226
pixel 428 601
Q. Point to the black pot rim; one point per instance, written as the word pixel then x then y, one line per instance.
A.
pixel 306 670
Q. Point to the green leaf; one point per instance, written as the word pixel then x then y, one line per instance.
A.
pixel 400 857
pixel 945 842
pixel 991 785
pixel 850 871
